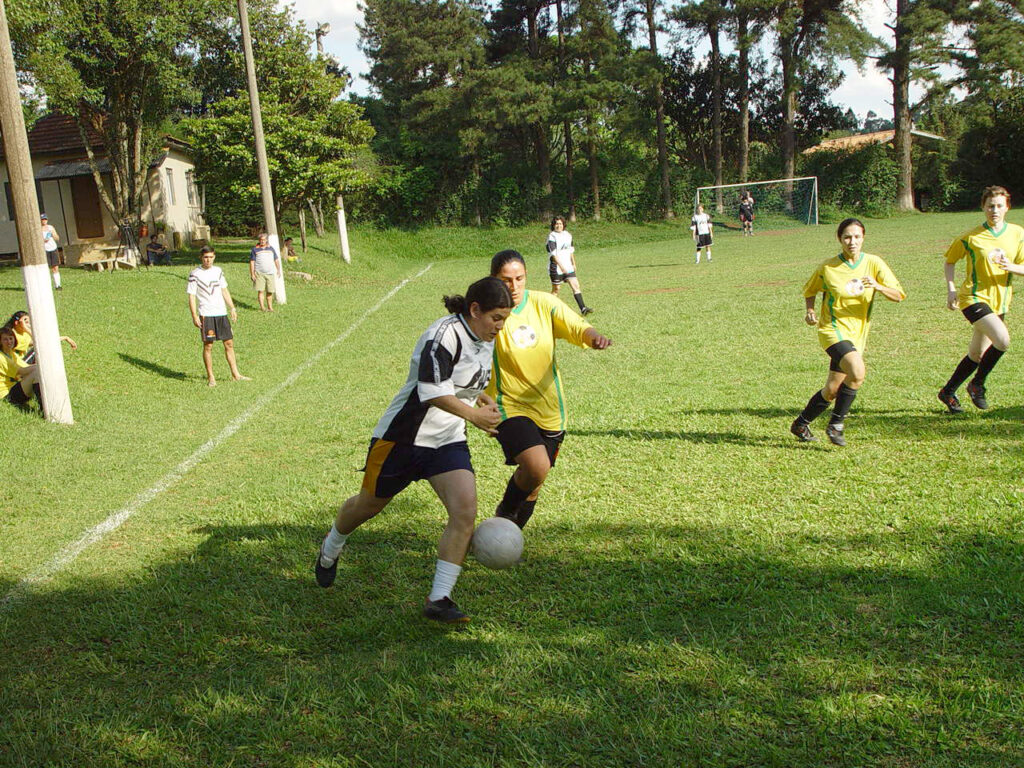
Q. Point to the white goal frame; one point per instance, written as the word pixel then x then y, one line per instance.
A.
pixel 812 209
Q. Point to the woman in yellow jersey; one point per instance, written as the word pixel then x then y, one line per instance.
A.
pixel 526 384
pixel 991 252
pixel 22 326
pixel 18 379
pixel 848 284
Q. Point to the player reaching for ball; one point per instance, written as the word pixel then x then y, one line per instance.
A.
pixel 527 385
pixel 422 436
pixel 991 251
pixel 848 284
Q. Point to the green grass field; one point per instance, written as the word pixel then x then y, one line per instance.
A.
pixel 698 589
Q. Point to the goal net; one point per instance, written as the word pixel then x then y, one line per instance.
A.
pixel 778 203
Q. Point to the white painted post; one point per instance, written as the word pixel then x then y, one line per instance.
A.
pixel 343 231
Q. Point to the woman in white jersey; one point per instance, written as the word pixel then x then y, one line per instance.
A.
pixel 562 262
pixel 422 436
pixel 702 230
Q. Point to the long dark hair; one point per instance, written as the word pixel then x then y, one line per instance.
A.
pixel 488 293
pixel 504 257
pixel 847 222
pixel 16 317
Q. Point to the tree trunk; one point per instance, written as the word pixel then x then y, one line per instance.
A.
pixel 788 61
pixel 659 113
pixel 595 188
pixel 540 139
pixel 744 96
pixel 566 124
pixel 477 218
pixel 318 218
pixel 716 111
pixel 302 228
pixel 902 123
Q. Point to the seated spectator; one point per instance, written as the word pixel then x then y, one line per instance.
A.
pixel 18 379
pixel 156 252
pixel 289 250
pixel 21 324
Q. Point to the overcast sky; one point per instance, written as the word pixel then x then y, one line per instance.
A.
pixel 868 91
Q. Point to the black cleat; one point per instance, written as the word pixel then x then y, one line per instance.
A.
pixel 586 311
pixel 444 611
pixel 325 575
pixel 950 401
pixel 802 432
pixel 977 394
pixel 835 434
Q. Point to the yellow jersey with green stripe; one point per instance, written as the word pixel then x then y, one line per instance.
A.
pixel 845 301
pixel 23 343
pixel 525 379
pixel 986 282
pixel 10 371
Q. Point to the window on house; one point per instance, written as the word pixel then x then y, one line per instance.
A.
pixel 190 188
pixel 170 186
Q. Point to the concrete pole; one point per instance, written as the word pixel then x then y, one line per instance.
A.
pixel 261 150
pixel 343 231
pixel 53 380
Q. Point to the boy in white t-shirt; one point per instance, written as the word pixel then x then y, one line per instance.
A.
pixel 209 301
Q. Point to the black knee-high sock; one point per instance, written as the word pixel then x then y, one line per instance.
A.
pixel 525 513
pixel 816 406
pixel 579 300
pixel 512 500
pixel 844 400
pixel 963 370
pixel 987 363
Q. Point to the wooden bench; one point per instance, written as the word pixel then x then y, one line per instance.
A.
pixel 105 257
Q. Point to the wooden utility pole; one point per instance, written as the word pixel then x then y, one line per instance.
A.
pixel 343 231
pixel 261 150
pixel 53 380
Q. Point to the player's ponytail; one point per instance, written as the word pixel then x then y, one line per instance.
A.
pixel 488 293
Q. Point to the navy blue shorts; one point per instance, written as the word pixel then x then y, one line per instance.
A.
pixel 392 467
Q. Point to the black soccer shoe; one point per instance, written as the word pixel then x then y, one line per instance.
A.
pixel 444 611
pixel 950 401
pixel 325 575
pixel 586 311
pixel 835 434
pixel 977 394
pixel 802 432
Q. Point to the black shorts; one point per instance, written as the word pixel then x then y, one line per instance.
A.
pixel 216 328
pixel 837 352
pixel 556 275
pixel 517 434
pixel 16 396
pixel 392 467
pixel 746 216
pixel 53 258
pixel 975 312
pixel 703 241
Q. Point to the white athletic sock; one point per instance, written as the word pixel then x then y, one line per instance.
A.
pixel 56 279
pixel 445 576
pixel 334 542
pixel 698 258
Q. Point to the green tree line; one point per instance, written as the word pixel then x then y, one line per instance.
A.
pixel 510 111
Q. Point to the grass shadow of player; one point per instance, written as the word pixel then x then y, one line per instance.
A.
pixel 152 367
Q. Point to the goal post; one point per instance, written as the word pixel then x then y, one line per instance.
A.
pixel 777 202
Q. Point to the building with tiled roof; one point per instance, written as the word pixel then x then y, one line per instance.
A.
pixel 67 192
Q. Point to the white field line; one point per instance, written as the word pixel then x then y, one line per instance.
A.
pixel 70 553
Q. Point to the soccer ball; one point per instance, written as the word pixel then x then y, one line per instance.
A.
pixel 497 543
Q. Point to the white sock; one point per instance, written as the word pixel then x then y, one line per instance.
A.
pixel 698 257
pixel 334 542
pixel 445 576
pixel 56 279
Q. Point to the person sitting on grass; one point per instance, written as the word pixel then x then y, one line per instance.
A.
pixel 208 301
pixel 289 250
pixel 156 252
pixel 22 326
pixel 18 379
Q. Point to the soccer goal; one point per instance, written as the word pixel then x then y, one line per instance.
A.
pixel 777 203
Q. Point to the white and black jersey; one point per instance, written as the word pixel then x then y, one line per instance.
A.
pixel 448 360
pixel 560 249
pixel 207 286
pixel 701 223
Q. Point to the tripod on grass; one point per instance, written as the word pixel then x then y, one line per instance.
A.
pixel 128 247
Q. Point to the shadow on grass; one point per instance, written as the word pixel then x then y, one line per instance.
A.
pixel 671 434
pixel 639 644
pixel 150 367
pixel 653 266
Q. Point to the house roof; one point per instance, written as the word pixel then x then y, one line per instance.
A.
pixel 859 140
pixel 58 134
